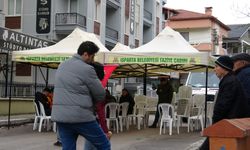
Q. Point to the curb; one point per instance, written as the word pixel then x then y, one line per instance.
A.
pixel 16 122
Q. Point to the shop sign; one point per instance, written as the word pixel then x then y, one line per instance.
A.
pixel 43 16
pixel 15 41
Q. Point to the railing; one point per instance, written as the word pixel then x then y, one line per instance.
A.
pixel 70 19
pixel 147 15
pixel 21 89
pixel 118 1
pixel 111 33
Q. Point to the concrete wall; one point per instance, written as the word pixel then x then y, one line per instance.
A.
pixel 18 106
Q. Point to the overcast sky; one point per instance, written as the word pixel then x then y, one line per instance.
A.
pixel 227 11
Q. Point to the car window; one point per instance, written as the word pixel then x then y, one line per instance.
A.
pixel 198 79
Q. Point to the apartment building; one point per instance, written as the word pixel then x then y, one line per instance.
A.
pixel 131 22
pixel 202 30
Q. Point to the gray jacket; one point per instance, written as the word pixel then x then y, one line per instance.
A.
pixel 76 85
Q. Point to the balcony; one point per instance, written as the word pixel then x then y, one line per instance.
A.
pixel 147 20
pixel 111 33
pixel 115 4
pixel 66 22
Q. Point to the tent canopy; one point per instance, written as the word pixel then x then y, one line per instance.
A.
pixel 51 56
pixel 120 47
pixel 167 52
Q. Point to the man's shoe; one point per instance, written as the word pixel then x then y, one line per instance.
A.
pixel 58 143
pixel 152 126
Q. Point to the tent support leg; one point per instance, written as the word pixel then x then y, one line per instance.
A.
pixel 145 81
pixel 10 94
pixel 206 97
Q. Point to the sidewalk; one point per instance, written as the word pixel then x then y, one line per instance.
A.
pixel 16 119
pixel 24 138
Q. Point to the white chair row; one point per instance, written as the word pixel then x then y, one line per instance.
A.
pixel 117 113
pixel 41 117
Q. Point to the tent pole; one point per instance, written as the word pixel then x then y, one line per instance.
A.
pixel 7 74
pixel 47 77
pixel 42 74
pixel 206 97
pixel 11 78
pixel 145 81
pixel 35 79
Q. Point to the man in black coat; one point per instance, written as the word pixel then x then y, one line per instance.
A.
pixel 231 100
pixel 242 72
pixel 165 95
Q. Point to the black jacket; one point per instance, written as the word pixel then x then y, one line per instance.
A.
pixel 40 97
pixel 231 101
pixel 243 75
pixel 165 93
pixel 130 100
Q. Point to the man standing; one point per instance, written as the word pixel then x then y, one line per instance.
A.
pixel 165 94
pixel 242 71
pixel 76 86
pixel 231 101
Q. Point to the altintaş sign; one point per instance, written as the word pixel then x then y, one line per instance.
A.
pixel 154 60
pixel 15 41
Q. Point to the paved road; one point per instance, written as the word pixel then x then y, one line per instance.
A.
pixel 24 138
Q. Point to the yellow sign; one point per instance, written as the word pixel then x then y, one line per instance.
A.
pixel 154 60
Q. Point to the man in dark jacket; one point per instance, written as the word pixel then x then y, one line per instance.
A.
pixel 242 71
pixel 43 98
pixel 165 94
pixel 231 101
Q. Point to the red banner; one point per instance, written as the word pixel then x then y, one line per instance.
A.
pixel 108 69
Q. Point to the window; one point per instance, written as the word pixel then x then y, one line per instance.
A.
pixel 185 35
pixel 97 9
pixel 23 69
pixel 14 7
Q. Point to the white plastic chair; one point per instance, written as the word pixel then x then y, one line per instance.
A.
pixel 123 118
pixel 43 117
pixel 139 113
pixel 185 92
pixel 151 106
pixel 166 112
pixel 182 111
pixel 196 115
pixel 198 100
pixel 210 109
pixel 140 99
pixel 37 116
pixel 112 114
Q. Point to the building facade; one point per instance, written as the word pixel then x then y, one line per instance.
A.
pixel 131 22
pixel 202 30
pixel 238 40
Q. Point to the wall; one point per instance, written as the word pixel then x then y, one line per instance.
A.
pixel 18 106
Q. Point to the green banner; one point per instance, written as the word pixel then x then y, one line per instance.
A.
pixel 42 58
pixel 155 60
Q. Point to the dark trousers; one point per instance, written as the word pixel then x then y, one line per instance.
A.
pixel 157 115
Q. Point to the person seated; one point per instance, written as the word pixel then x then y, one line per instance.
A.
pixel 126 97
pixel 109 98
pixel 43 98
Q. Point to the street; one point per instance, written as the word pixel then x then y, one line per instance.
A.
pixel 24 138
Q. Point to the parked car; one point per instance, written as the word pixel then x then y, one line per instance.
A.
pixel 198 82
